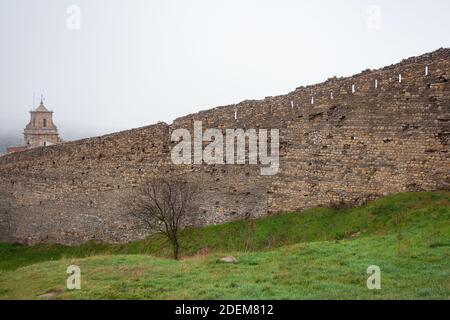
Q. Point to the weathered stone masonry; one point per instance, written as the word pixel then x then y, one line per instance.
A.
pixel 344 140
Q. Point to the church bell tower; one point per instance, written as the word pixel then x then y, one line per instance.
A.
pixel 41 131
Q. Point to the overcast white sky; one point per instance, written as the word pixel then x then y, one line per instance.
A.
pixel 133 63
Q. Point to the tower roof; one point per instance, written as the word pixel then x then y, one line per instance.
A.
pixel 41 108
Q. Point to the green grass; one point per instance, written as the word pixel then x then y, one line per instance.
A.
pixel 315 254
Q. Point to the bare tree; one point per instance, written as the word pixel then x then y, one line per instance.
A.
pixel 165 206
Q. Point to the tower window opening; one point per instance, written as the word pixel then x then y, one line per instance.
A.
pixel 353 88
pixel 426 71
pixel 45 123
pixel 376 84
pixel 400 78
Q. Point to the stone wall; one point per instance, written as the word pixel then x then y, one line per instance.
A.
pixel 342 141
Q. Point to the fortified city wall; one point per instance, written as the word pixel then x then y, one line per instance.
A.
pixel 342 141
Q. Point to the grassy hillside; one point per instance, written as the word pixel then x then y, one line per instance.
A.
pixel 320 253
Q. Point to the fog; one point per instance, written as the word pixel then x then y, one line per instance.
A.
pixel 108 65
